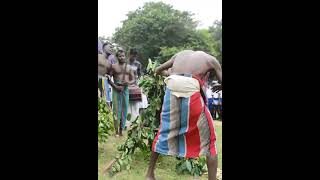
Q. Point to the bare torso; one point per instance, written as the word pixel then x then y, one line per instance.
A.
pixel 193 62
pixel 120 72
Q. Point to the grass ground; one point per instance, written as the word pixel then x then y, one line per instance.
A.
pixel 165 169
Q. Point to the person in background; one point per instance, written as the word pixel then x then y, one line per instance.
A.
pixel 134 105
pixel 220 105
pixel 101 68
pixel 209 94
pixel 215 103
pixel 108 57
pixel 108 53
pixel 134 62
pixel 123 77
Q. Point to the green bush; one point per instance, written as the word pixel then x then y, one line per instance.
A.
pixel 105 120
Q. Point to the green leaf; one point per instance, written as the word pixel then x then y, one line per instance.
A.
pixel 126 161
pixel 130 145
pixel 188 165
pixel 120 162
pixel 128 117
pixel 117 166
pixel 205 168
pixel 114 169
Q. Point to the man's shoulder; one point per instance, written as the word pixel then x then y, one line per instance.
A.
pixel 100 56
pixel 115 65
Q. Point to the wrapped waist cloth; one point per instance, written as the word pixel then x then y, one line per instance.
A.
pixel 120 103
pixel 186 126
pixel 182 86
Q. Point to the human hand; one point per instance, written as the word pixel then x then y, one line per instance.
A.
pixel 108 78
pixel 124 83
pixel 120 88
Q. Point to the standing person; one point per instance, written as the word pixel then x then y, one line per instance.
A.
pixel 123 77
pixel 134 105
pixel 186 126
pixel 108 52
pixel 135 64
pixel 102 64
pixel 220 104
pixel 209 94
pixel 106 57
pixel 215 104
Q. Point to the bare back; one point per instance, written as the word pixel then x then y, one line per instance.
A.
pixel 193 62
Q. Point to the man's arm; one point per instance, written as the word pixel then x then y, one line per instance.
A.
pixel 165 65
pixel 105 66
pixel 132 77
pixel 118 88
pixel 101 65
pixel 110 72
pixel 166 72
pixel 215 65
pixel 109 69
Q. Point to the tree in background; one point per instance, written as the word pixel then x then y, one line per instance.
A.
pixel 207 40
pixel 216 33
pixel 158 31
pixel 201 40
pixel 155 25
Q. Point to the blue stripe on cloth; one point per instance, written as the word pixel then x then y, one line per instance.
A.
pixel 124 105
pixel 184 125
pixel 162 144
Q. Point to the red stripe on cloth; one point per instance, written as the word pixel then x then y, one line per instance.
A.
pixel 157 136
pixel 213 150
pixel 192 135
pixel 201 81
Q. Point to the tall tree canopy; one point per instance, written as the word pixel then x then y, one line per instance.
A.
pixel 153 26
pixel 158 31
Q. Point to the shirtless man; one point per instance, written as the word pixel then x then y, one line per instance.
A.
pixel 108 56
pixel 123 76
pixel 186 126
pixel 103 62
